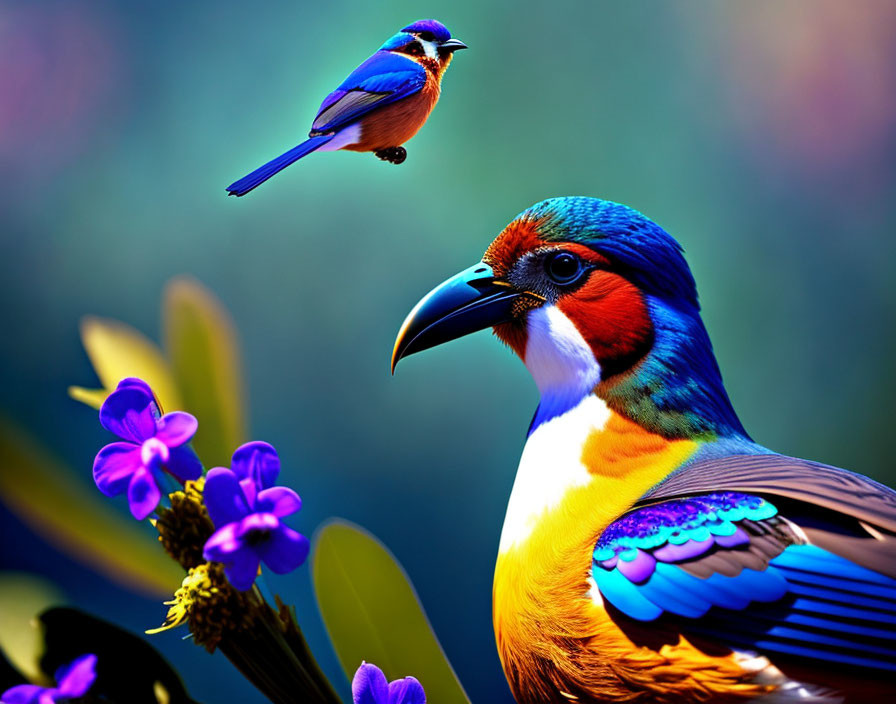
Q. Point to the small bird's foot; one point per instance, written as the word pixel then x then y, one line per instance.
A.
pixel 396 155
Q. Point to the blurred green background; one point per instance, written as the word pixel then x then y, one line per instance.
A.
pixel 762 135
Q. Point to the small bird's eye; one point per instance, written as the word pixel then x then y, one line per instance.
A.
pixel 426 36
pixel 563 268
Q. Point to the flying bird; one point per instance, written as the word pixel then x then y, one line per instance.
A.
pixel 651 550
pixel 380 106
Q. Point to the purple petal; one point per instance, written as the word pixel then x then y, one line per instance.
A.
pixel 250 491
pixel 257 522
pixel 638 569
pixel 685 551
pixel 133 382
pixel 737 538
pixel 223 543
pixel 284 551
pixel 279 500
pixel 406 691
pixel 242 569
pixel 77 678
pixel 128 413
pixel 143 494
pixel 258 461
pixel 23 694
pixel 114 465
pixel 183 463
pixel 176 428
pixel 224 497
pixel 369 685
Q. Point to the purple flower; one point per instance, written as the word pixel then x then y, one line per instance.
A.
pixel 246 511
pixel 73 681
pixel 369 686
pixel 153 444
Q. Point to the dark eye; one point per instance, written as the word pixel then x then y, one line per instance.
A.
pixel 563 268
pixel 414 49
pixel 426 36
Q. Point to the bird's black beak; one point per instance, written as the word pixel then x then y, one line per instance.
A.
pixel 469 301
pixel 452 45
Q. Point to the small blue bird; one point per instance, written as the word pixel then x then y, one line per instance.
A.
pixel 380 106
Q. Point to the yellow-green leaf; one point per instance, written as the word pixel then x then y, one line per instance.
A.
pixel 46 496
pixel 22 598
pixel 372 613
pixel 116 351
pixel 201 343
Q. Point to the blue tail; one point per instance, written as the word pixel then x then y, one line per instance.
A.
pixel 263 173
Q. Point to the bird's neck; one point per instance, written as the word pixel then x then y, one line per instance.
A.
pixel 676 390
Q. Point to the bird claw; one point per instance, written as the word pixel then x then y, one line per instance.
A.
pixel 395 155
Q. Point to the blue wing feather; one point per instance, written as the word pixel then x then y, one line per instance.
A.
pixel 687 558
pixel 383 79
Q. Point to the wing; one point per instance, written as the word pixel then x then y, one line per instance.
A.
pixel 382 79
pixel 728 566
pixel 843 512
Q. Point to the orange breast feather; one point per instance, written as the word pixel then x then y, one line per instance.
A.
pixel 395 124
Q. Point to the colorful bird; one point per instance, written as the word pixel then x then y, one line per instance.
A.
pixel 651 551
pixel 380 106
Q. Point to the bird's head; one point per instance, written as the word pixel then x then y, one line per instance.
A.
pixel 589 294
pixel 425 40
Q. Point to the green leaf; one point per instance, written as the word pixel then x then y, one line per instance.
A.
pixel 47 496
pixel 372 613
pixel 22 597
pixel 116 351
pixel 201 343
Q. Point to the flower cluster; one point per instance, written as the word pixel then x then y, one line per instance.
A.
pixel 153 445
pixel 247 509
pixel 219 527
pixel 72 681
pixel 244 506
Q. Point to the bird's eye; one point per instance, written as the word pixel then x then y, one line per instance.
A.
pixel 563 268
pixel 427 36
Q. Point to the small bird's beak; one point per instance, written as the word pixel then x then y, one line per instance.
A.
pixel 469 301
pixel 452 45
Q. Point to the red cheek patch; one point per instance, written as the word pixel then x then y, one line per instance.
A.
pixel 611 314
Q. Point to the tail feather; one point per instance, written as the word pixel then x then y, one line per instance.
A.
pixel 263 173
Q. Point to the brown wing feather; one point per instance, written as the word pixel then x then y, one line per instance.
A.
pixel 840 511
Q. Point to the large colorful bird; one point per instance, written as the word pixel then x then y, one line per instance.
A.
pixel 380 106
pixel 651 551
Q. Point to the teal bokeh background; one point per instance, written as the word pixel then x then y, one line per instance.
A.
pixel 762 135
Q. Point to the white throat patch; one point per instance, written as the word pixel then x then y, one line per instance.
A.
pixel 559 359
pixel 429 48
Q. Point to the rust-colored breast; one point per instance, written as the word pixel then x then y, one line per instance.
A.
pixel 395 124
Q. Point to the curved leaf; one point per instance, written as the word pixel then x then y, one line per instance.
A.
pixel 46 496
pixel 372 613
pixel 116 351
pixel 22 597
pixel 201 343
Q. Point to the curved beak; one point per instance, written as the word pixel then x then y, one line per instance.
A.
pixel 469 301
pixel 452 45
